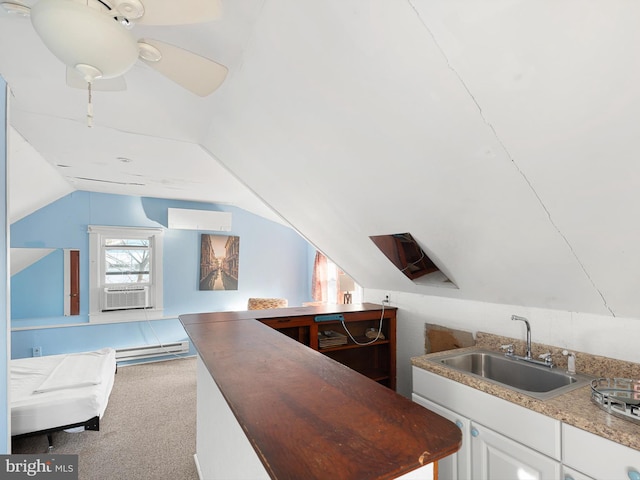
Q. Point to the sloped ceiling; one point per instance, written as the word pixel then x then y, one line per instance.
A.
pixel 34 182
pixel 501 134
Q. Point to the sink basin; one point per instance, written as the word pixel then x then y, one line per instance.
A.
pixel 533 380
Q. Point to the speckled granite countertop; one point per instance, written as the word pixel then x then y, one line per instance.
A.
pixel 573 408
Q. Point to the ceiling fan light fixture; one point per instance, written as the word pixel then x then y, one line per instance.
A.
pixel 80 35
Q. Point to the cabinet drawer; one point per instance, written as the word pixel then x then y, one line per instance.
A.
pixel 285 322
pixel 521 424
pixel 598 457
pixel 571 474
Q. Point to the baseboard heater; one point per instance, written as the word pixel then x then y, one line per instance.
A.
pixel 149 351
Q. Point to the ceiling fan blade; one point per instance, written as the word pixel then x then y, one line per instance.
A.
pixel 179 12
pixel 15 8
pixel 115 84
pixel 197 74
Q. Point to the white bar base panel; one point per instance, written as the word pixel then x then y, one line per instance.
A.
pixel 223 450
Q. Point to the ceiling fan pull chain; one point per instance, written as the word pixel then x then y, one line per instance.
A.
pixel 89 107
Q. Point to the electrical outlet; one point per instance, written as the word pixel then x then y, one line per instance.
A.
pixel 387 299
pixel 37 351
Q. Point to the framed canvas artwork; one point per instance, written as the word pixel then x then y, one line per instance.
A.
pixel 219 259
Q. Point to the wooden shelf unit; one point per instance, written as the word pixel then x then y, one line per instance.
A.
pixel 376 360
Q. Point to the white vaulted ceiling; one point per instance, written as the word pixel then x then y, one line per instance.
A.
pixel 501 134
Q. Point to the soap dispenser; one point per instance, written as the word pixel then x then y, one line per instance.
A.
pixel 571 361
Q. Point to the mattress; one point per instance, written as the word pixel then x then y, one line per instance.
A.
pixel 60 390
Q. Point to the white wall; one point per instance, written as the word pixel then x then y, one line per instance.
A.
pixel 596 334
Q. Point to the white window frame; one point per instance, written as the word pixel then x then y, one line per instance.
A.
pixel 97 235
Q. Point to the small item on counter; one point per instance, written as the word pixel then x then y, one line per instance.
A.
pixel 619 397
pixel 571 361
pixel 373 333
pixel 331 338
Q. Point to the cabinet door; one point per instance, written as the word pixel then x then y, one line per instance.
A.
pixel 458 465
pixel 494 456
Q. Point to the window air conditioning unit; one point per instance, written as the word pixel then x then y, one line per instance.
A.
pixel 125 298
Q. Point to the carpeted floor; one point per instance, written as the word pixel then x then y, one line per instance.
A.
pixel 148 431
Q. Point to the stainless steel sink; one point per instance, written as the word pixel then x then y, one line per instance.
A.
pixel 533 380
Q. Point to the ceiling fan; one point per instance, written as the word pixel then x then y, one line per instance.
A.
pixel 93 39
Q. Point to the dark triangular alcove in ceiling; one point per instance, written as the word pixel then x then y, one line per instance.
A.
pixel 409 257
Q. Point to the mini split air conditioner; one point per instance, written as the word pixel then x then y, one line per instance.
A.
pixel 125 298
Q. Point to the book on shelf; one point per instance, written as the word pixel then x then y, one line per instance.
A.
pixel 331 338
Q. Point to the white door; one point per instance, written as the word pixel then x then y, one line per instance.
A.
pixel 495 457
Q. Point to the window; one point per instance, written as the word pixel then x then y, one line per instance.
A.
pixel 127 261
pixel 125 273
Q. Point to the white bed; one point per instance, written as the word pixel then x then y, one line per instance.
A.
pixel 57 392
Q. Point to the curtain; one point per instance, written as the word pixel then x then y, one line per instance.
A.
pixel 319 278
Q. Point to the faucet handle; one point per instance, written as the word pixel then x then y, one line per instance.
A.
pixel 508 348
pixel 547 358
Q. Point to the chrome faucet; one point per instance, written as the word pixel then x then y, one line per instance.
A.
pixel 547 361
pixel 527 354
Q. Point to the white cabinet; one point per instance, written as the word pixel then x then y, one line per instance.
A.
pixel 500 440
pixel 457 465
pixel 504 440
pixel 494 456
pixel 598 457
pixel 525 426
pixel 485 454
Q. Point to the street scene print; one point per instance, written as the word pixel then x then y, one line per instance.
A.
pixel 219 258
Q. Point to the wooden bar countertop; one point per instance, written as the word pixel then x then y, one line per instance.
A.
pixel 306 415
